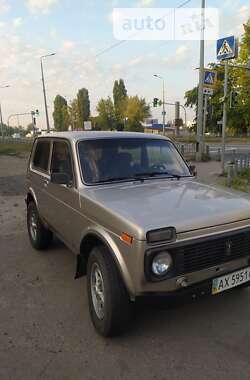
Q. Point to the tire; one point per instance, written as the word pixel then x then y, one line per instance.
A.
pixel 40 237
pixel 114 305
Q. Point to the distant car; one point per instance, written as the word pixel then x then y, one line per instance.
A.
pixel 139 222
pixel 16 136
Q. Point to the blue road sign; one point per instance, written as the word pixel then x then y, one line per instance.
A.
pixel 227 48
pixel 210 77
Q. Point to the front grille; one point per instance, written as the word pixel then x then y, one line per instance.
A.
pixel 210 252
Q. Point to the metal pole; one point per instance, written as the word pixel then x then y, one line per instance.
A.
pixel 205 116
pixel 163 109
pixel 1 120
pixel 185 113
pixel 45 99
pixel 32 121
pixel 199 137
pixel 224 120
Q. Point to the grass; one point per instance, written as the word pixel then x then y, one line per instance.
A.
pixel 15 149
pixel 241 181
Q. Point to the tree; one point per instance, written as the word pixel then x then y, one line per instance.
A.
pixel 83 106
pixel 136 110
pixel 106 119
pixel 119 96
pixel 74 115
pixel 60 114
pixel 119 92
pixel 239 80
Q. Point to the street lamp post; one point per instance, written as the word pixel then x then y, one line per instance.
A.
pixel 163 103
pixel 1 115
pixel 44 90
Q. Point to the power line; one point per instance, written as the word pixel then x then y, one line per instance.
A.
pixel 183 4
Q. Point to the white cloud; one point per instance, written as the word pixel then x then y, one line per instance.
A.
pixel 41 5
pixel 4 6
pixel 144 3
pixel 136 61
pixel 68 45
pixel 17 22
pixel 181 55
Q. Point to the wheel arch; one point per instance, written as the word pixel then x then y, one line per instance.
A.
pixel 31 197
pixel 93 238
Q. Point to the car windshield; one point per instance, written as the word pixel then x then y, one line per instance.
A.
pixel 121 159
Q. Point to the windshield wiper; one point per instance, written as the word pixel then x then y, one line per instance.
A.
pixel 117 179
pixel 154 174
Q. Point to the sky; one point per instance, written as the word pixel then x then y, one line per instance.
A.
pixel 80 32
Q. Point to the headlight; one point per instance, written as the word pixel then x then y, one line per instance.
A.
pixel 161 264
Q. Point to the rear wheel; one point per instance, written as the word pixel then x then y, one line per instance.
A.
pixel 109 304
pixel 40 236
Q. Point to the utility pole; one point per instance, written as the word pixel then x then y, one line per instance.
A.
pixel 44 90
pixel 224 120
pixel 1 114
pixel 1 120
pixel 199 137
pixel 163 108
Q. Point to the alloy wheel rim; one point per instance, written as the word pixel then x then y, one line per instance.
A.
pixel 97 290
pixel 33 226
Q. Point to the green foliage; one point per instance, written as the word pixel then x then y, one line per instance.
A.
pixel 74 114
pixel 106 119
pixel 60 114
pixel 83 106
pixel 135 110
pixel 119 96
pixel 119 92
pixel 239 79
pixel 15 149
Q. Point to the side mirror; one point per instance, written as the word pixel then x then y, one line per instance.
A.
pixel 193 170
pixel 60 179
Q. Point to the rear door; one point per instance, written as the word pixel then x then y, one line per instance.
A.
pixel 38 175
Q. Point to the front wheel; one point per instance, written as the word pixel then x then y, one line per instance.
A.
pixel 109 304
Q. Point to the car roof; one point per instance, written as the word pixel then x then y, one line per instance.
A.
pixel 86 135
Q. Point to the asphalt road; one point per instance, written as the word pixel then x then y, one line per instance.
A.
pixel 46 333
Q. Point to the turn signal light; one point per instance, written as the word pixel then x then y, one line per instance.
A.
pixel 127 238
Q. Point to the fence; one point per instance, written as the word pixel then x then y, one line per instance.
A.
pixel 236 165
pixel 7 140
pixel 188 150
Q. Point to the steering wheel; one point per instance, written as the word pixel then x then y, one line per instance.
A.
pixel 158 167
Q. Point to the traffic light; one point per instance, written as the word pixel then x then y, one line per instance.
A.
pixel 155 102
pixel 234 101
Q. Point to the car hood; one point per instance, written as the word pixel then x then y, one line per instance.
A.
pixel 185 204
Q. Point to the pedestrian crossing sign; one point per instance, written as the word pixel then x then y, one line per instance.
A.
pixel 227 48
pixel 210 77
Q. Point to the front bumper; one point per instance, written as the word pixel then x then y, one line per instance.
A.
pixel 173 285
pixel 192 292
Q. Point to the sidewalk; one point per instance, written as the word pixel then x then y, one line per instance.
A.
pixel 208 172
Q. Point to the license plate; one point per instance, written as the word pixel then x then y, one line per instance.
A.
pixel 230 280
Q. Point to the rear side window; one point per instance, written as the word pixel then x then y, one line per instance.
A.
pixel 41 156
